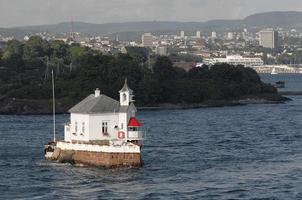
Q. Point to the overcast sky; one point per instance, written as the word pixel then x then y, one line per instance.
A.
pixel 33 12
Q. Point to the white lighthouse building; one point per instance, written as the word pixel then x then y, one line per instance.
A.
pixel 102 132
pixel 99 117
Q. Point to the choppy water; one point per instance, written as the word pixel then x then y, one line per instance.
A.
pixel 245 152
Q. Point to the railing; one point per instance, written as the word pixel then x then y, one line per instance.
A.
pixel 125 148
pixel 136 135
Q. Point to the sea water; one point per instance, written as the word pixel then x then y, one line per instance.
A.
pixel 242 152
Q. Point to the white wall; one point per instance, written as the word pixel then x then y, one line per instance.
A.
pixel 123 120
pixel 79 134
pixel 95 126
pixel 131 112
pixel 124 102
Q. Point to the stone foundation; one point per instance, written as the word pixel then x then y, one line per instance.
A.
pixel 98 159
pixel 107 159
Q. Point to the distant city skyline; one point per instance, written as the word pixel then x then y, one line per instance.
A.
pixel 33 12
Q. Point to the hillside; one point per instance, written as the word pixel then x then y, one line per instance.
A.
pixel 269 19
pixel 273 19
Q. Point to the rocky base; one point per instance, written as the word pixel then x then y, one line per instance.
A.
pixel 97 159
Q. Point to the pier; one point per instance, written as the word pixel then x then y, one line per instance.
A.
pixel 290 93
pixel 279 69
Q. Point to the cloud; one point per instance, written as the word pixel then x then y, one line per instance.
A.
pixel 31 12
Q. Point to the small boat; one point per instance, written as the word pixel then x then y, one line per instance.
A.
pixel 274 72
pixel 280 84
pixel 49 150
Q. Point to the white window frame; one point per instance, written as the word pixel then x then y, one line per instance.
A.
pixel 76 127
pixel 83 127
pixel 105 127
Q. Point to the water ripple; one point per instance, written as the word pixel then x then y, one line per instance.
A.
pixel 246 152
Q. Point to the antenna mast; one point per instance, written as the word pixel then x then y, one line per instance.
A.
pixel 72 34
pixel 53 106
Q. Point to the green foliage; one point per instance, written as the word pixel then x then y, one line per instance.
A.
pixel 185 58
pixel 25 74
pixel 36 47
pixel 14 47
pixel 58 49
pixel 140 54
pixel 76 52
pixel 163 68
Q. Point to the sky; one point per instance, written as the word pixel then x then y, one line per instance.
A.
pixel 35 12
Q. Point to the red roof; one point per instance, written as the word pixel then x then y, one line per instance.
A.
pixel 133 122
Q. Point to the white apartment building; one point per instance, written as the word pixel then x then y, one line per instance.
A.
pixel 147 40
pixel 268 39
pixel 235 60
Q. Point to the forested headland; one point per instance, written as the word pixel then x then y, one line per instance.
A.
pixel 25 78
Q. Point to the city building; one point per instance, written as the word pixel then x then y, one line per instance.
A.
pixel 199 64
pixel 214 35
pixel 198 35
pixel 162 50
pixel 230 35
pixel 235 60
pixel 268 39
pixel 182 34
pixel 147 40
pixel 244 35
pixel 26 38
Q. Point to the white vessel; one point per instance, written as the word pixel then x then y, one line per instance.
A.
pixel 274 72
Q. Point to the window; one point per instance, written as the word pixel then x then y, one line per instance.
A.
pixel 124 97
pixel 76 127
pixel 122 125
pixel 105 128
pixel 83 127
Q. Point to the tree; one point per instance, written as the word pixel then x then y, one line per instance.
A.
pixel 138 53
pixel 24 70
pixel 75 51
pixel 12 58
pixel 1 55
pixel 13 48
pixel 35 48
pixel 58 49
pixel 163 68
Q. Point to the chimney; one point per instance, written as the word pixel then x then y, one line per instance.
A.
pixel 97 92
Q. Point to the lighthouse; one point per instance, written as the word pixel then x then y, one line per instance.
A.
pixel 103 131
pixel 126 95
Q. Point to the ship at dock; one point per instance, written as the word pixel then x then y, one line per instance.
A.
pixel 102 132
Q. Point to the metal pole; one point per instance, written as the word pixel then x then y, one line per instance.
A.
pixel 53 107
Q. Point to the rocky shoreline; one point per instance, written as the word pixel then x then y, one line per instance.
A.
pixel 41 107
pixel 261 99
